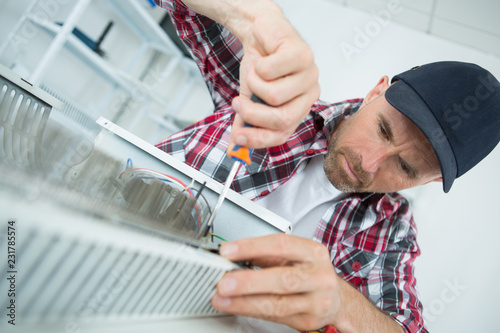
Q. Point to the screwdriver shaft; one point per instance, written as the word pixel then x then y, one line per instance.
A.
pixel 222 195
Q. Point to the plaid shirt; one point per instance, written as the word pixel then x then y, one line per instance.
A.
pixel 371 237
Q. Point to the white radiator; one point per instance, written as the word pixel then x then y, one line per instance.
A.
pixel 88 236
pixel 72 265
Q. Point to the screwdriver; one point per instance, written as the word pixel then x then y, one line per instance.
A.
pixel 240 155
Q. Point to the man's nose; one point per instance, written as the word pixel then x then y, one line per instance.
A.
pixel 373 158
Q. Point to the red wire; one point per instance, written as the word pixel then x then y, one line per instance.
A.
pixel 330 329
pixel 165 175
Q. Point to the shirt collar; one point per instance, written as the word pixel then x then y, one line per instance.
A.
pixel 332 114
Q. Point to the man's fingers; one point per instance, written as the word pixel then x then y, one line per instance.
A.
pixel 286 61
pixel 285 89
pixel 261 306
pixel 274 280
pixel 300 311
pixel 305 286
pixel 290 248
pixel 259 138
pixel 266 123
pixel 270 262
pixel 272 125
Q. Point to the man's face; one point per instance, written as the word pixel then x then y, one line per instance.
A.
pixel 378 149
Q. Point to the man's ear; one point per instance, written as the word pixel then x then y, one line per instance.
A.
pixel 376 91
pixel 437 179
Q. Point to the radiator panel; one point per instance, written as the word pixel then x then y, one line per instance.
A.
pixel 74 266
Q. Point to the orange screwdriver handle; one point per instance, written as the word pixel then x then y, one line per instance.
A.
pixel 240 153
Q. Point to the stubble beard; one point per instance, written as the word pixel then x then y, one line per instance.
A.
pixel 335 172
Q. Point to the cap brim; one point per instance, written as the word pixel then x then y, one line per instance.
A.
pixel 408 102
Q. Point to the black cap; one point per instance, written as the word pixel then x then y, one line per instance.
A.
pixel 457 107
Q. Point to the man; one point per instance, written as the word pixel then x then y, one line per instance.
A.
pixel 432 123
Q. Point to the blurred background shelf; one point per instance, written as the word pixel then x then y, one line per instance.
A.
pixel 138 77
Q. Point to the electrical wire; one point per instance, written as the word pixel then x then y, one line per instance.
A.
pixel 217 236
pixel 151 174
pixel 144 173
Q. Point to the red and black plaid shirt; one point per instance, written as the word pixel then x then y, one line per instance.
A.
pixel 371 237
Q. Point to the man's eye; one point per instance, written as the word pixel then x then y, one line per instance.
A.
pixel 383 132
pixel 406 169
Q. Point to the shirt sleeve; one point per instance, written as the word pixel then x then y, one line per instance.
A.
pixel 372 239
pixel 216 51
pixel 391 283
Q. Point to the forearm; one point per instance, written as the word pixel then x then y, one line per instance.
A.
pixel 305 294
pixel 358 314
pixel 235 15
pixel 278 66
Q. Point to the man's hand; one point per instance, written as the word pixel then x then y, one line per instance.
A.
pixel 277 66
pixel 297 286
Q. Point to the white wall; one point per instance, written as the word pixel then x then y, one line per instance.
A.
pixel 457 231
pixel 472 23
